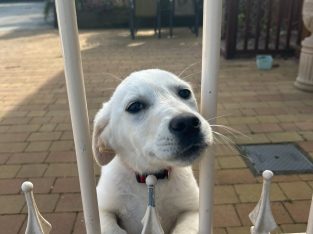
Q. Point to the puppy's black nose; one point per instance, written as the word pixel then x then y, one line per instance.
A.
pixel 185 124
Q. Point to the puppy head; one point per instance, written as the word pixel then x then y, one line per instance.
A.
pixel 151 122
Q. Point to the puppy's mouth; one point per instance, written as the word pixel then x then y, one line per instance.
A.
pixel 191 152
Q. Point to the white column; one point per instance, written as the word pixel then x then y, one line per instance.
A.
pixel 304 80
pixel 212 18
pixel 309 229
pixel 78 108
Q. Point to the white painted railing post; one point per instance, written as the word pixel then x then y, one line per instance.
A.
pixel 36 224
pixel 309 229
pixel 212 18
pixel 261 216
pixel 66 13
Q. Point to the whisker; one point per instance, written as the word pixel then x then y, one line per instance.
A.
pixel 228 139
pixel 232 146
pixel 217 117
pixel 185 77
pixel 228 142
pixel 112 75
pixel 108 89
pixel 191 65
pixel 230 130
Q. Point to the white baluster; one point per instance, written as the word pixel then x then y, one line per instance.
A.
pixel 309 229
pixel 36 224
pixel 151 222
pixel 261 216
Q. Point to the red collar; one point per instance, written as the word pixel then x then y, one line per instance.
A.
pixel 163 174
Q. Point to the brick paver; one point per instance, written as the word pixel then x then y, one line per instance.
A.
pixel 36 140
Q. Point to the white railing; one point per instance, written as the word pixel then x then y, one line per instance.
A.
pixel 261 216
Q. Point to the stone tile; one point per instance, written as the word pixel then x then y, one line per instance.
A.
pixel 32 170
pixel 10 186
pixel 264 127
pixel 305 126
pixel 306 177
pixel 267 119
pixel 296 190
pixel 291 127
pixel 62 170
pixel 36 113
pixel 279 212
pixel 222 150
pixel 62 146
pixel 225 194
pixel 15 147
pixel 13 137
pixel 45 202
pixel 234 176
pixel 8 171
pixel 231 162
pixel 307 146
pixel 284 137
pixel 11 204
pixel 64 127
pixel 23 128
pixel 44 136
pixel 69 202
pixel 48 127
pixel 61 156
pixel 225 216
pixel 293 228
pixel 238 230
pixel 252 192
pixel 42 185
pixel 40 120
pixel 62 223
pixel 242 120
pixel 252 139
pixel 79 227
pixel 25 158
pixel 282 178
pixel 4 158
pixel 38 146
pixel 67 135
pixel 11 224
pixel 308 136
pixel 286 118
pixel 66 185
pixel 299 210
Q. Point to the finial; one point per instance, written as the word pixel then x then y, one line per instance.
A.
pixel 36 224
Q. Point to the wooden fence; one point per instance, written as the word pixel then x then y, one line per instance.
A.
pixel 261 27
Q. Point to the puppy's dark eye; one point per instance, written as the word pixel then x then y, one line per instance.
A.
pixel 184 93
pixel 135 107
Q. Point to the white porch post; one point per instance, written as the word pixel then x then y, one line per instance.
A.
pixel 304 80
pixel 212 19
pixel 78 108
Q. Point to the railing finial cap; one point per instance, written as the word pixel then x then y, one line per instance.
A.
pixel 267 174
pixel 151 180
pixel 27 186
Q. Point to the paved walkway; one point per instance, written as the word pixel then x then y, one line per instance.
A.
pixel 36 138
pixel 23 15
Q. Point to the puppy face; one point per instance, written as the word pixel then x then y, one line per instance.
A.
pixel 151 122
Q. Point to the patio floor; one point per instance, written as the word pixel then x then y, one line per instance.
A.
pixel 36 140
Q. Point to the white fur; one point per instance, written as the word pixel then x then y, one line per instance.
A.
pixel 143 143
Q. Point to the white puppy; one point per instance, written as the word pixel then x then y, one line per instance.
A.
pixel 149 126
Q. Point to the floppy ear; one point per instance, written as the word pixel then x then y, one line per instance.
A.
pixel 102 153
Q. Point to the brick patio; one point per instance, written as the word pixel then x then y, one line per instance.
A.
pixel 36 141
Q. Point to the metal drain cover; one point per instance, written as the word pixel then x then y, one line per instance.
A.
pixel 279 158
